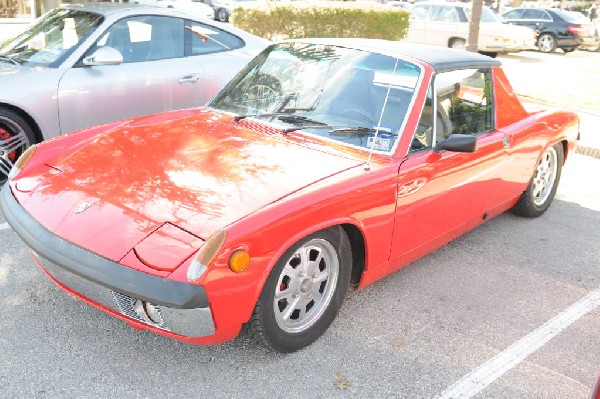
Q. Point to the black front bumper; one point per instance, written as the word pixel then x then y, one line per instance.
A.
pixel 105 281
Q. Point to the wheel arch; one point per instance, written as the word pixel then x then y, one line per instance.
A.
pixel 28 118
pixel 358 252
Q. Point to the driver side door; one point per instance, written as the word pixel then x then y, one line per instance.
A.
pixel 442 194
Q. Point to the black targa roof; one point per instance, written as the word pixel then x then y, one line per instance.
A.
pixel 440 58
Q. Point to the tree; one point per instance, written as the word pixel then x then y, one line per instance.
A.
pixel 473 42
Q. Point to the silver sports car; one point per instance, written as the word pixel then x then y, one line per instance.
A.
pixel 81 66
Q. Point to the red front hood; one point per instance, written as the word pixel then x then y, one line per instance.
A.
pixel 196 169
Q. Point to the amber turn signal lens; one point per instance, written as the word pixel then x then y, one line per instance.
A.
pixel 239 260
pixel 206 255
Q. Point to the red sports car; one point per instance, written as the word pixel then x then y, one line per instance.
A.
pixel 323 164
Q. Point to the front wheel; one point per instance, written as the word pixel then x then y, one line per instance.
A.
pixel 15 137
pixel 541 190
pixel 303 293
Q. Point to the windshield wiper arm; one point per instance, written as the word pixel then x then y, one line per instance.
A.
pixel 359 131
pixel 9 59
pixel 317 126
pixel 284 112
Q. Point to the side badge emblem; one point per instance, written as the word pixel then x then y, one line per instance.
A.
pixel 82 207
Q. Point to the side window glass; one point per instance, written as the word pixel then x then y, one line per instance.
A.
pixel 446 14
pixel 145 38
pixel 534 14
pixel 546 17
pixel 513 14
pixel 464 102
pixel 206 39
pixel 419 13
pixel 423 137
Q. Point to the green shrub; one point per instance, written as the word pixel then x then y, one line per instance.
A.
pixel 277 21
pixel 8 8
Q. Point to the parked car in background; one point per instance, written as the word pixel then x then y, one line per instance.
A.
pixel 556 28
pixel 400 4
pixel 447 24
pixel 224 8
pixel 196 7
pixel 325 163
pixel 80 66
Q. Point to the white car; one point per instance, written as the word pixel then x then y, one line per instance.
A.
pixel 196 7
pixel 447 24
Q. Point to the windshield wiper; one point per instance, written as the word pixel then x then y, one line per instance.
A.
pixel 9 59
pixel 283 112
pixel 357 131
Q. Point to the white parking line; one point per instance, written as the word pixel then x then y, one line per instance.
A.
pixel 484 375
pixel 4 226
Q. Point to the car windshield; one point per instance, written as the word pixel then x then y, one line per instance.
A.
pixel 51 39
pixel 487 15
pixel 351 96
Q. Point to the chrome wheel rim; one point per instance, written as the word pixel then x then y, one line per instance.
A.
pixel 546 43
pixel 306 286
pixel 13 141
pixel 545 176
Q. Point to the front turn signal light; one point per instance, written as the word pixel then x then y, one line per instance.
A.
pixel 239 260
pixel 21 162
pixel 206 255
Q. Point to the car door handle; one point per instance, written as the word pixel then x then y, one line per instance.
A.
pixel 189 80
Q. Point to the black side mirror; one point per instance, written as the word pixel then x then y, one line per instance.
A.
pixel 458 143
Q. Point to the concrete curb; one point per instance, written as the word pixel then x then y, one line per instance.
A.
pixel 588 151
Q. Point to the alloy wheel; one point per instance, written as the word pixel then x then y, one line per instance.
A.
pixel 306 286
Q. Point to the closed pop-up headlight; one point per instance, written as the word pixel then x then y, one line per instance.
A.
pixel 206 255
pixel 21 162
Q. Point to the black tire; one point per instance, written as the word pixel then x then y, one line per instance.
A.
pixel 530 204
pixel 546 43
pixel 569 49
pixel 491 54
pixel 15 137
pixel 222 15
pixel 268 329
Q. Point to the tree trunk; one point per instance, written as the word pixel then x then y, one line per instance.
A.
pixel 473 42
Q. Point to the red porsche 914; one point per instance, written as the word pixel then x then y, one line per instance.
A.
pixel 325 163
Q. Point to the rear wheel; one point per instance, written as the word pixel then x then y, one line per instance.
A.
pixel 15 137
pixel 304 292
pixel 457 43
pixel 569 49
pixel 222 15
pixel 546 43
pixel 541 190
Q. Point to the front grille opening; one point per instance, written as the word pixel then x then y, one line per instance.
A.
pixel 139 310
